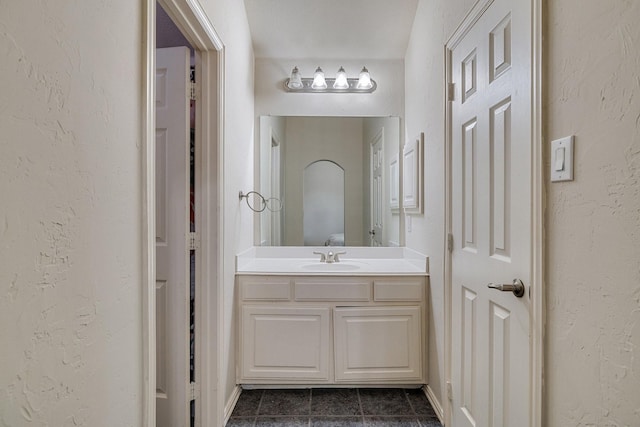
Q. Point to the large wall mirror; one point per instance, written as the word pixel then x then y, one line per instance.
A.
pixel 337 179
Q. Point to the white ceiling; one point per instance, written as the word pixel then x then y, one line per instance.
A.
pixel 336 29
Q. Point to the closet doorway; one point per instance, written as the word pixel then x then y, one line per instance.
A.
pixel 182 181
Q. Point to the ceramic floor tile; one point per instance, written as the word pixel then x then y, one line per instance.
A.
pixel 335 402
pixel 282 422
pixel 324 421
pixel 247 403
pixel 419 402
pixel 429 421
pixel 333 408
pixel 391 421
pixel 385 402
pixel 241 422
pixel 285 402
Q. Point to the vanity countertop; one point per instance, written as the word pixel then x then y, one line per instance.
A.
pixel 357 261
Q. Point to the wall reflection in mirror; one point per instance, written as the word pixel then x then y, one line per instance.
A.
pixel 335 177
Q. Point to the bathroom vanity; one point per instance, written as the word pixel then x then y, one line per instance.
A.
pixel 361 320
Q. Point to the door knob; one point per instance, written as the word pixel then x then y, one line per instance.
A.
pixel 372 232
pixel 517 287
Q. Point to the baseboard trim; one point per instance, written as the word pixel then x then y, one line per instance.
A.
pixel 231 403
pixel 435 403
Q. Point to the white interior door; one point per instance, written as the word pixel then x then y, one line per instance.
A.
pixel 377 189
pixel 491 216
pixel 172 227
pixel 275 205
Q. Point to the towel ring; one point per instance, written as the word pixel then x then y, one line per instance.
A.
pixel 253 208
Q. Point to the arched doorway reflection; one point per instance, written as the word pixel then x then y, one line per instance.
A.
pixel 323 204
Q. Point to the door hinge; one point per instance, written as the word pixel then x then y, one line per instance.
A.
pixel 193 241
pixel 192 91
pixel 450 242
pixel 194 391
pixel 451 94
pixel 449 391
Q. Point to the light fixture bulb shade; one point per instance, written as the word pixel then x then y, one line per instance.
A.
pixel 295 81
pixel 341 80
pixel 318 80
pixel 364 80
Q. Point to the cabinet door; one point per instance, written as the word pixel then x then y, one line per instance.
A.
pixel 378 343
pixel 285 343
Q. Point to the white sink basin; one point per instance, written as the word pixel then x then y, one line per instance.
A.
pixel 336 266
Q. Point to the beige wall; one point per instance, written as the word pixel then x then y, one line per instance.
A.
pixel 424 73
pixel 592 91
pixel 230 21
pixel 70 221
pixel 71 211
pixel 70 233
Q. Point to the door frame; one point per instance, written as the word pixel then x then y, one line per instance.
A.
pixel 192 20
pixel 276 187
pixel 379 136
pixel 537 287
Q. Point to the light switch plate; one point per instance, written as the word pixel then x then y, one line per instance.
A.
pixel 562 159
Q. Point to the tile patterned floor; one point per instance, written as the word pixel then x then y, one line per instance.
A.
pixel 337 407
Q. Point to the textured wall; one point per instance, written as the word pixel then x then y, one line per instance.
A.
pixel 70 217
pixel 70 213
pixel 592 90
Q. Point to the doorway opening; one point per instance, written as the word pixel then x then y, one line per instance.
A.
pixel 323 204
pixel 182 180
pixel 175 104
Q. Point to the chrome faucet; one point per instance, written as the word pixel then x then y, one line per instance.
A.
pixel 323 257
pixel 334 257
pixel 330 257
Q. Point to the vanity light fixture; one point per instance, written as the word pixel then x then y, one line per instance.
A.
pixel 318 80
pixel 341 80
pixel 364 80
pixel 295 82
pixel 319 84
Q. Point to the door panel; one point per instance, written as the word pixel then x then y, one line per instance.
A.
pixel 491 219
pixel 285 343
pixel 377 343
pixel 172 226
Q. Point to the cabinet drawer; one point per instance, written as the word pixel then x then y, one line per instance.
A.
pixel 265 288
pixel 332 289
pixel 404 289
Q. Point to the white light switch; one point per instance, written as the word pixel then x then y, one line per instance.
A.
pixel 559 159
pixel 562 159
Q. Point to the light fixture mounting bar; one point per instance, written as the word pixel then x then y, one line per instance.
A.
pixel 353 83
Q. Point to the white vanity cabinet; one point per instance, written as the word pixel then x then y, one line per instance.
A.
pixel 331 329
